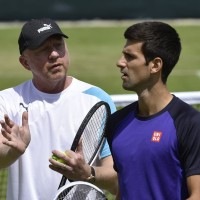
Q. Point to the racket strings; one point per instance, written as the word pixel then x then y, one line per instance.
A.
pixel 93 133
pixel 81 192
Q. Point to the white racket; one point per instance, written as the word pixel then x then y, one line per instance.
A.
pixel 80 190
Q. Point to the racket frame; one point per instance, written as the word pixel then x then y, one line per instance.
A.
pixel 81 130
pixel 76 183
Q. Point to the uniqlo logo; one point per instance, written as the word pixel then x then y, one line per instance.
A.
pixel 156 137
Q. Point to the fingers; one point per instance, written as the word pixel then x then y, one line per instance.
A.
pixel 9 143
pixel 15 136
pixel 79 148
pixel 68 158
pixel 58 166
pixel 8 122
pixel 61 164
pixel 6 134
pixel 8 138
pixel 25 118
pixel 62 169
pixel 61 157
pixel 72 166
pixel 7 126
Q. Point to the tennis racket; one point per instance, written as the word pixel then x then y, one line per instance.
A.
pixel 80 190
pixel 91 133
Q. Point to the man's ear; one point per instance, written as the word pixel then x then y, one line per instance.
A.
pixel 156 65
pixel 23 60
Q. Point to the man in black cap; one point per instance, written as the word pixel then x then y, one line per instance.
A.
pixel 56 105
pixel 35 32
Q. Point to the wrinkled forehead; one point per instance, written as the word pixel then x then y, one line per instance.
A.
pixel 50 41
pixel 53 38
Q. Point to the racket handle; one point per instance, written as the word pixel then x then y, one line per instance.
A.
pixel 62 182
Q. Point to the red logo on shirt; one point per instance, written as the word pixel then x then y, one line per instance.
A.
pixel 156 137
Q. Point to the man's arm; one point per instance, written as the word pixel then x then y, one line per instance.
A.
pixel 13 140
pixel 193 184
pixel 118 194
pixel 106 177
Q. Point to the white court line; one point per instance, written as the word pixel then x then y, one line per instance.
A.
pixel 190 97
pixel 186 72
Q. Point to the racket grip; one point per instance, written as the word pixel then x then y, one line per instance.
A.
pixel 62 182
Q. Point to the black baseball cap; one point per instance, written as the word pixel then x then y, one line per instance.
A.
pixel 36 31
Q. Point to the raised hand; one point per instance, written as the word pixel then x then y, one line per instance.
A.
pixel 15 136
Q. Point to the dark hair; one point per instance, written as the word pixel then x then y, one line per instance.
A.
pixel 159 40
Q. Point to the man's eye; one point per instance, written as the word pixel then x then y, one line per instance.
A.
pixel 59 45
pixel 128 56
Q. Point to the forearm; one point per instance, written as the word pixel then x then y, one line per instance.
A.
pixel 118 195
pixel 106 179
pixel 105 176
pixel 193 183
pixel 7 157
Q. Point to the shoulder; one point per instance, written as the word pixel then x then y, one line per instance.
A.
pixel 94 92
pixel 183 112
pixel 87 88
pixel 12 95
pixel 16 89
pixel 187 123
pixel 186 119
pixel 122 115
pixel 101 95
pixel 11 99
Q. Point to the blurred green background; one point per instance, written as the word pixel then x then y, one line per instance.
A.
pixel 94 50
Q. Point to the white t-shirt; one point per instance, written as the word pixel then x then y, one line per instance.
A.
pixel 53 121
